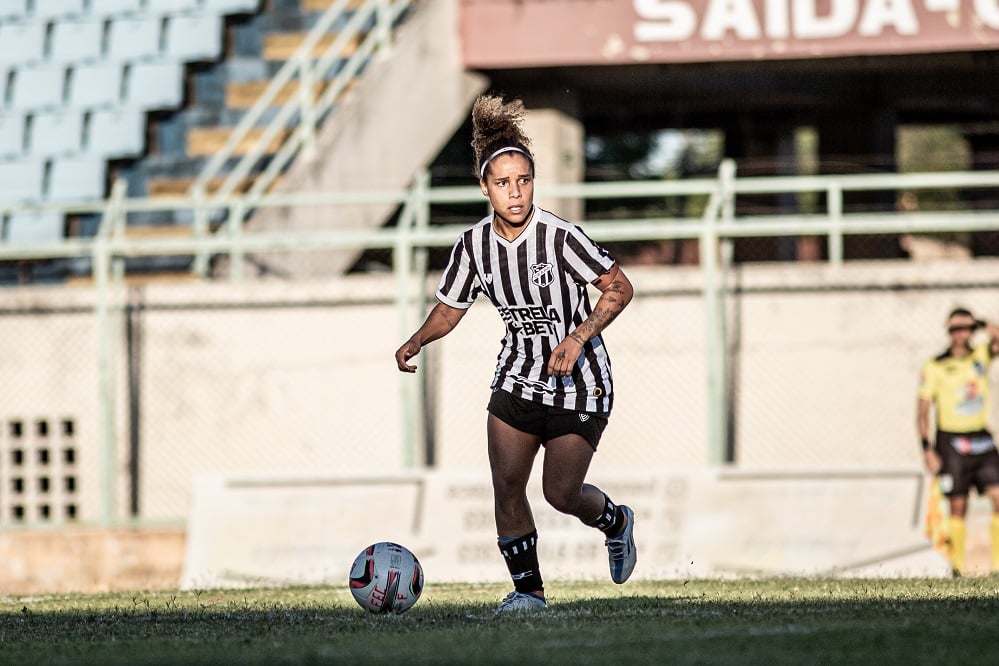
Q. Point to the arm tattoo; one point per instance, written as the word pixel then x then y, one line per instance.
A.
pixel 608 307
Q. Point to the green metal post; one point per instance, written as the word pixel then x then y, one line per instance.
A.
pixel 414 214
pixel 834 197
pixel 714 319
pixel 103 268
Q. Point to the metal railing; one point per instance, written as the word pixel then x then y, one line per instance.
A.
pixel 718 222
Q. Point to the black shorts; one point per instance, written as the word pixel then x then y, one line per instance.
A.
pixel 546 422
pixel 978 470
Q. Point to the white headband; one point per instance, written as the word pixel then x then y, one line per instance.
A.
pixel 507 149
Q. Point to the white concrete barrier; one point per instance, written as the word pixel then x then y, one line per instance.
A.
pixel 696 523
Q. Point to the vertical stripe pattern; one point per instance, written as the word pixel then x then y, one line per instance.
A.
pixel 538 284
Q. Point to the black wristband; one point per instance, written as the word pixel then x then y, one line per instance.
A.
pixel 926 444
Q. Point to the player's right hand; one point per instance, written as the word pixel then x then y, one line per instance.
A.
pixel 408 350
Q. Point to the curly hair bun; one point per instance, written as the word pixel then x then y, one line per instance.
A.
pixel 497 124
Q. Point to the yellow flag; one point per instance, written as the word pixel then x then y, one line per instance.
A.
pixel 936 518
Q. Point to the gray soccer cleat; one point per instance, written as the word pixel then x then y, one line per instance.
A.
pixel 621 552
pixel 521 602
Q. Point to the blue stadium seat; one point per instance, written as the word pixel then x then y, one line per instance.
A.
pixel 22 43
pixel 172 6
pixel 95 86
pixel 154 85
pixel 11 135
pixel 22 181
pixel 134 38
pixel 33 228
pixel 232 6
pixel 116 133
pixel 195 37
pixel 115 7
pixel 57 8
pixel 58 133
pixel 76 41
pixel 76 178
pixel 13 9
pixel 39 88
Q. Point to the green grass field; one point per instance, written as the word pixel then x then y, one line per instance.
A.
pixel 781 620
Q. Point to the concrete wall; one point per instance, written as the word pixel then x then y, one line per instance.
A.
pixel 688 524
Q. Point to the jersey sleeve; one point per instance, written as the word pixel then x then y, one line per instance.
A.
pixel 585 260
pixel 928 381
pixel 459 284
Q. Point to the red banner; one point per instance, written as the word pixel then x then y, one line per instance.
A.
pixel 533 33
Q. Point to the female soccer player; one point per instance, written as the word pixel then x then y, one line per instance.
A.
pixel 552 387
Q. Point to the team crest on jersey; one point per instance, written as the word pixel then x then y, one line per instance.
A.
pixel 542 274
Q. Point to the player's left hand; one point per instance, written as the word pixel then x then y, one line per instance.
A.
pixel 563 358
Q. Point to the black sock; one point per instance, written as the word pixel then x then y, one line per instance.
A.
pixel 611 519
pixel 521 555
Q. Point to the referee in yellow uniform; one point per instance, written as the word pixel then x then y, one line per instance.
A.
pixel 955 386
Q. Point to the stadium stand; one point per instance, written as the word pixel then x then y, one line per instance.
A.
pixel 145 89
pixel 153 92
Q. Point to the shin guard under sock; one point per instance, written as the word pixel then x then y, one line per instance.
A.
pixel 521 555
pixel 611 519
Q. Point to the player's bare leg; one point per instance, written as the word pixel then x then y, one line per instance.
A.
pixel 567 460
pixel 511 458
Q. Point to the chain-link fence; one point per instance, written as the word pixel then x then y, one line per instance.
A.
pixel 116 398
pixel 822 366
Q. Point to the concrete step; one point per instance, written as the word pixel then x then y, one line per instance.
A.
pixel 323 5
pixel 177 187
pixel 243 95
pixel 206 141
pixel 283 45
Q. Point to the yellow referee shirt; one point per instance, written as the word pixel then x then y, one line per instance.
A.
pixel 959 389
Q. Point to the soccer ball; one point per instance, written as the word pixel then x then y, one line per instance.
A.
pixel 386 578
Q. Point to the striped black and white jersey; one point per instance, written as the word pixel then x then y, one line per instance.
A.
pixel 538 283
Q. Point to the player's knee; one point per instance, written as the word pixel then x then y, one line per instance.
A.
pixel 508 488
pixel 563 500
